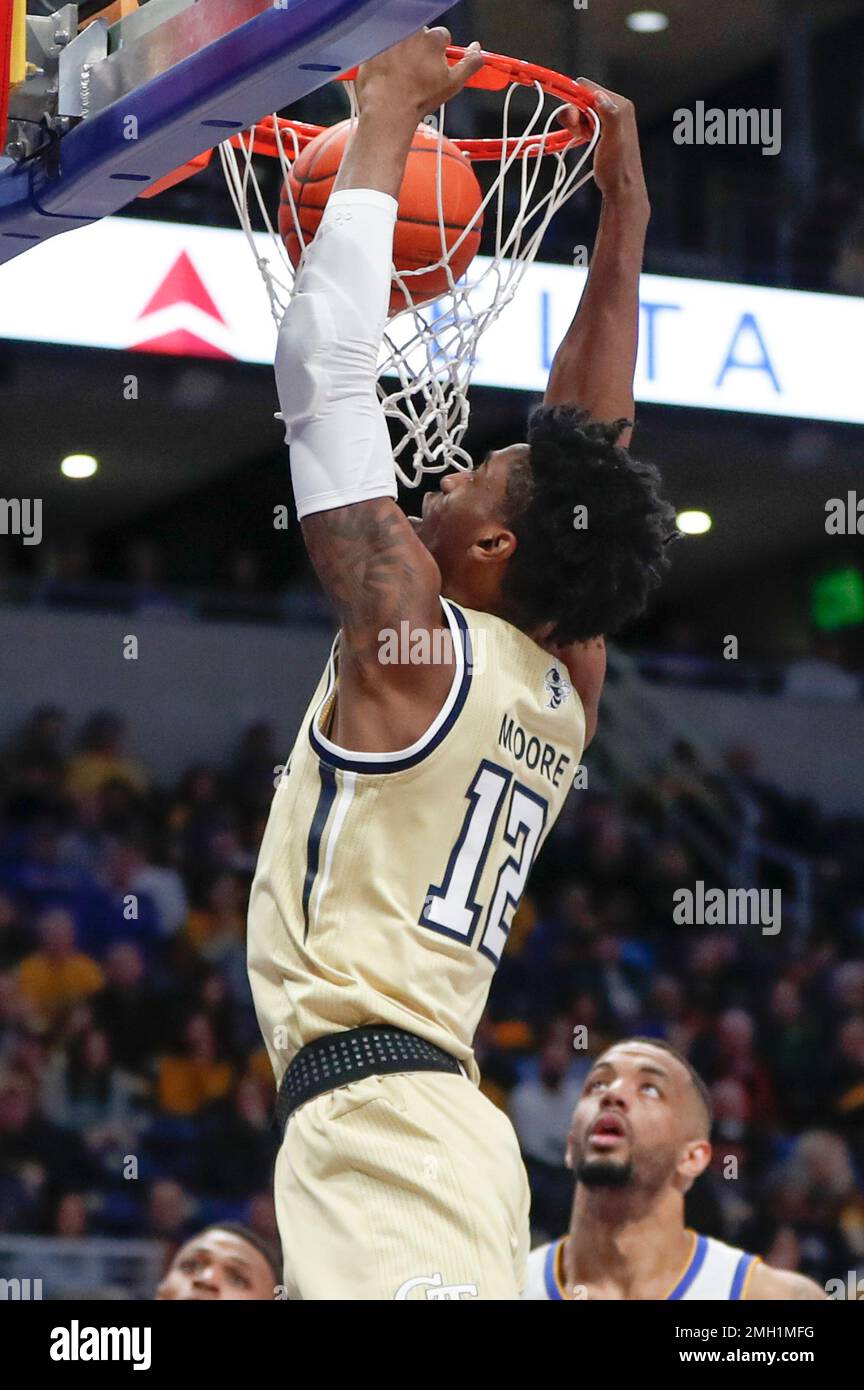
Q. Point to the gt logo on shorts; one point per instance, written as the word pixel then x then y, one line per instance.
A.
pixel 435 1288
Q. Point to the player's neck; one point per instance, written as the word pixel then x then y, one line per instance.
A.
pixel 625 1241
pixel 482 592
pixel 492 601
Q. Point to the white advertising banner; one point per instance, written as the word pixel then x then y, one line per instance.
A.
pixel 168 287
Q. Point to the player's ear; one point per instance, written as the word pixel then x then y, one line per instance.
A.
pixel 694 1161
pixel 495 544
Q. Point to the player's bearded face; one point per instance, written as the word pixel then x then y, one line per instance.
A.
pixel 606 1151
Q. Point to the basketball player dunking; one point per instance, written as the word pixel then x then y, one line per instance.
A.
pixel 418 796
pixel 638 1142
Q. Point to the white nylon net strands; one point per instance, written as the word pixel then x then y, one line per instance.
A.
pixel 430 350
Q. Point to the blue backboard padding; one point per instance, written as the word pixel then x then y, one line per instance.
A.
pixel 269 62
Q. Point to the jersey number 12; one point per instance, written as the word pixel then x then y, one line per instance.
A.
pixel 451 906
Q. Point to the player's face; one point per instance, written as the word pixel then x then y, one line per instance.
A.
pixel 630 1126
pixel 468 508
pixel 217 1265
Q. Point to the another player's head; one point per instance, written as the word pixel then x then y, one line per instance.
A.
pixel 642 1124
pixel 565 535
pixel 226 1261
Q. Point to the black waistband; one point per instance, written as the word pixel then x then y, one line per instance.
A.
pixel 340 1058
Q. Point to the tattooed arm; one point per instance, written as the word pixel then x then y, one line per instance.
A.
pixel 375 570
pixel 379 576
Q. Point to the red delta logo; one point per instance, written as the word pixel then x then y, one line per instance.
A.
pixel 182 290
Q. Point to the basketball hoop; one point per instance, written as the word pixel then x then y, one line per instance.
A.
pixel 431 348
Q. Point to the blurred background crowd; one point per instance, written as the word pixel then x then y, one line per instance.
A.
pixel 135 1093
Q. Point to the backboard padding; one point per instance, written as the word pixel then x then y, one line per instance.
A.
pixel 283 51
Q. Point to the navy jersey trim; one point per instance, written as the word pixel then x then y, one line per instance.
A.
pixel 326 797
pixel 374 763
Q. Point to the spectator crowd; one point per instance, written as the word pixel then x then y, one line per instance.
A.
pixel 135 1093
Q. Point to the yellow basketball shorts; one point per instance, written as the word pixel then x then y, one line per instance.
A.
pixel 405 1187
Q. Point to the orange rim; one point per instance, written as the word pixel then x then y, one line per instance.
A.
pixel 497 74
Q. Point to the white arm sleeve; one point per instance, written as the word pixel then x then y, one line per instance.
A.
pixel 327 357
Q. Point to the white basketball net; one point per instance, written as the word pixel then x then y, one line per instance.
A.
pixel 431 349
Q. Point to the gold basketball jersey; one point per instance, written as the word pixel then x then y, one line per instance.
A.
pixel 387 882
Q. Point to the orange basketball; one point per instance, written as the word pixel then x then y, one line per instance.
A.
pixel 418 240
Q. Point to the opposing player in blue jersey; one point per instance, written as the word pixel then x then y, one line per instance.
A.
pixel 638 1141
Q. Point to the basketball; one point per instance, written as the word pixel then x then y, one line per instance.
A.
pixel 418 238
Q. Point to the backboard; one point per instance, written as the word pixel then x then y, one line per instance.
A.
pixel 110 104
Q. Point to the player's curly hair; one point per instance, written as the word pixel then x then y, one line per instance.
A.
pixel 590 581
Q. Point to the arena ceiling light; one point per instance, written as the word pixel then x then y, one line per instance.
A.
pixel 647 21
pixel 79 466
pixel 693 523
